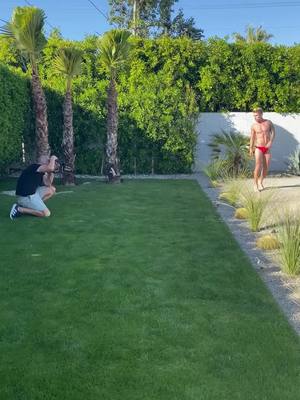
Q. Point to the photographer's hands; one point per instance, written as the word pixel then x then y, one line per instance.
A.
pixel 48 178
pixel 52 163
pixel 50 167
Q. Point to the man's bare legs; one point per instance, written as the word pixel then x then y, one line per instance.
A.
pixel 45 213
pixel 30 211
pixel 258 169
pixel 265 169
pixel 49 193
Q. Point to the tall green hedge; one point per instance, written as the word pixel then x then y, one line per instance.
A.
pixel 14 111
pixel 238 77
pixel 164 85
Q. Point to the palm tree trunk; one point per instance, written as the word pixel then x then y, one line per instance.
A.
pixel 68 141
pixel 113 171
pixel 41 123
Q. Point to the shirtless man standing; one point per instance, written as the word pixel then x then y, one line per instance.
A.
pixel 262 136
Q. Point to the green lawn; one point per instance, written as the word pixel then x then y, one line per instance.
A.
pixel 136 292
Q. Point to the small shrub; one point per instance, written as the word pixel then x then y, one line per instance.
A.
pixel 294 163
pixel 233 148
pixel 268 242
pixel 289 238
pixel 241 213
pixel 255 204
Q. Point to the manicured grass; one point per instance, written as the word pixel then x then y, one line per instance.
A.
pixel 136 292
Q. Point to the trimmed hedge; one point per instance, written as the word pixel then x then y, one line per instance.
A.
pixel 14 112
pixel 241 76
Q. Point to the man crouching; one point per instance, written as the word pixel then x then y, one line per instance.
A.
pixel 34 187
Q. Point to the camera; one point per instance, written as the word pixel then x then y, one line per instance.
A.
pixel 59 166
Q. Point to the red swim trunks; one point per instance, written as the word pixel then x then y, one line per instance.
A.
pixel 263 149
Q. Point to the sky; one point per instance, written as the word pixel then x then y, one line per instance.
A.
pixel 78 18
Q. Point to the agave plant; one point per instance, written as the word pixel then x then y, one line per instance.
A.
pixel 233 148
pixel 114 49
pixel 26 31
pixel 68 63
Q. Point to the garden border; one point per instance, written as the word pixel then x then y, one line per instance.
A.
pixel 277 282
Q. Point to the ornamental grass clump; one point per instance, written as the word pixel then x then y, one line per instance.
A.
pixel 232 191
pixel 289 238
pixel 214 171
pixel 255 205
pixel 228 197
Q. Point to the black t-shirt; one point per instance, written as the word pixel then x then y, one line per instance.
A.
pixel 29 180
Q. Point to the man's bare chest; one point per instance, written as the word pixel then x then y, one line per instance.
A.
pixel 262 128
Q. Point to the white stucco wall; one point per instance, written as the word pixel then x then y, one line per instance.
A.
pixel 287 128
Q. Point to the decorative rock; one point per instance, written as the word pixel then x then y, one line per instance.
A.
pixel 241 213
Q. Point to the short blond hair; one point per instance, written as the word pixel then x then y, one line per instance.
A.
pixel 258 110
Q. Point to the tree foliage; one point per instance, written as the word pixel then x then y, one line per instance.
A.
pixel 114 51
pixel 68 63
pixel 152 18
pixel 238 77
pixel 253 35
pixel 158 95
pixel 26 28
pixel 165 82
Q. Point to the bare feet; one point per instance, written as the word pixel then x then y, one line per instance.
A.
pixel 260 186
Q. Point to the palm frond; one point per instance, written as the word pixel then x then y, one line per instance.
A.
pixel 232 147
pixel 230 140
pixel 253 35
pixel 68 61
pixel 114 48
pixel 26 28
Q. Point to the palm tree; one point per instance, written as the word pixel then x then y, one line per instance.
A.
pixel 68 63
pixel 26 30
pixel 114 49
pixel 253 35
pixel 233 149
